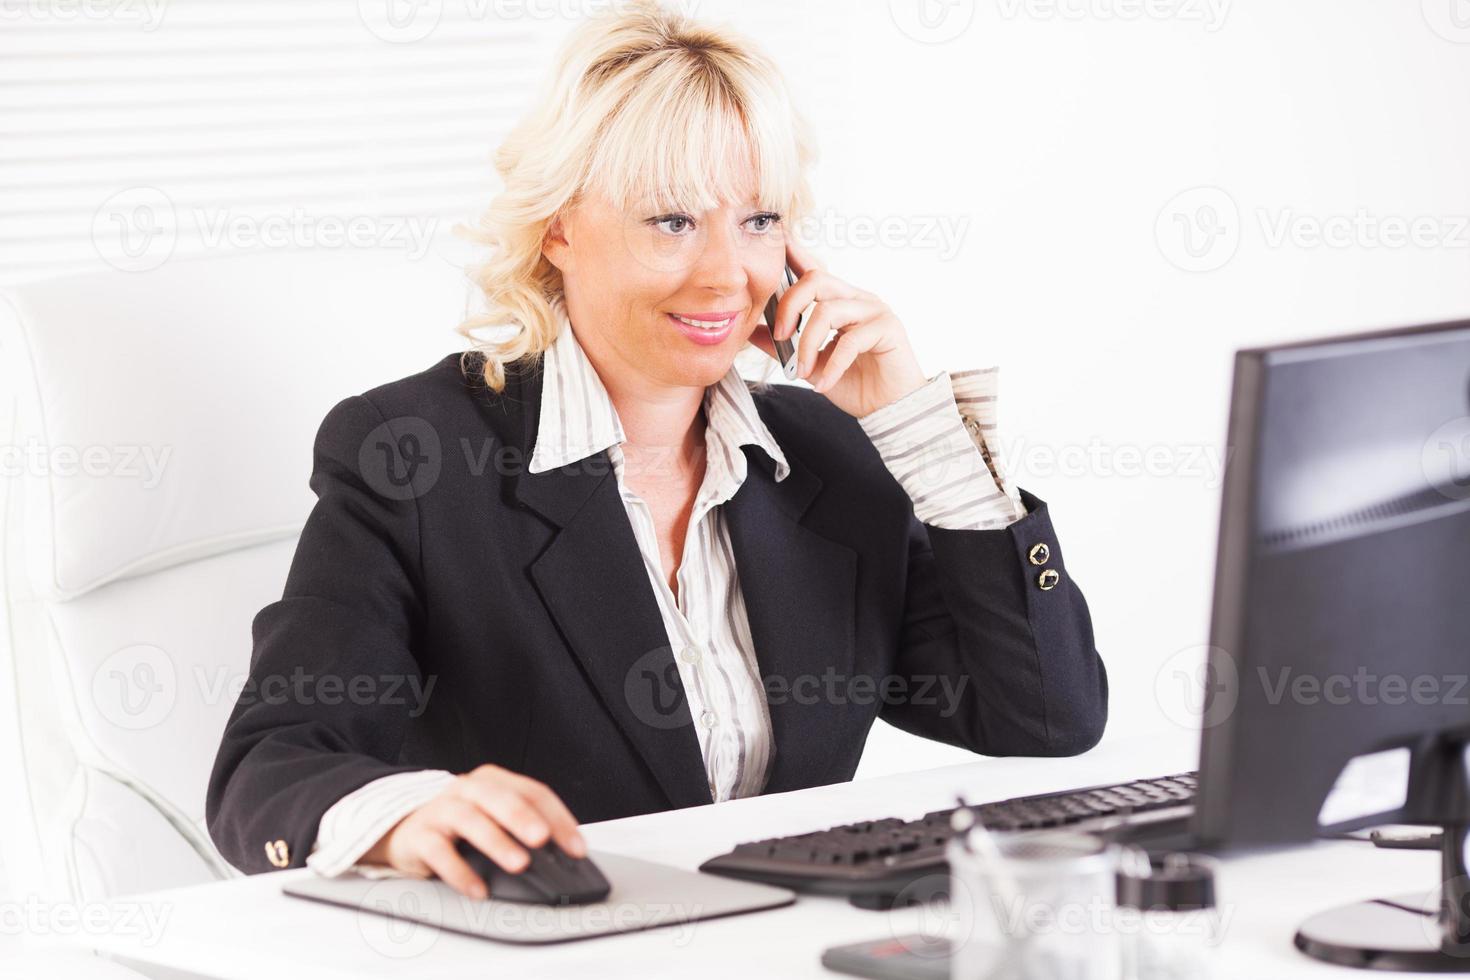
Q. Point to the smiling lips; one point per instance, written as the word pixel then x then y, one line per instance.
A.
pixel 704 328
pixel 706 321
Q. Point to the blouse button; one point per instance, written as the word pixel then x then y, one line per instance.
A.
pixel 691 655
pixel 708 719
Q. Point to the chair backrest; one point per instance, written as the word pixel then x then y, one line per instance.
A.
pixel 158 430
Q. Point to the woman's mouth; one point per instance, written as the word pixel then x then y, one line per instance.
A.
pixel 705 328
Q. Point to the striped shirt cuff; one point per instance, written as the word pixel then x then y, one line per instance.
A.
pixel 357 821
pixel 940 443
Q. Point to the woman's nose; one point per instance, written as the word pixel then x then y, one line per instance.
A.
pixel 721 263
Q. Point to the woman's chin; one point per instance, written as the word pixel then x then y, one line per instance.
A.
pixel 703 369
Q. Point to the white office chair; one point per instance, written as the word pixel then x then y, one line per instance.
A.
pixel 161 427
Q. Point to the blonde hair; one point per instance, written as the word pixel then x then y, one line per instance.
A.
pixel 649 109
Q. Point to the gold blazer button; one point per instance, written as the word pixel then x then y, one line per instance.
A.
pixel 1039 554
pixel 1048 579
pixel 278 853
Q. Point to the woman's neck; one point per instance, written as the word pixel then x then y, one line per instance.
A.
pixel 663 427
pixel 662 443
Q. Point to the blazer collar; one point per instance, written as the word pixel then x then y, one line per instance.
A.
pixel 799 590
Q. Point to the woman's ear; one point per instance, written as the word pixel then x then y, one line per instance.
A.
pixel 554 245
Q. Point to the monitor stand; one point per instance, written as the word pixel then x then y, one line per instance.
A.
pixel 1425 932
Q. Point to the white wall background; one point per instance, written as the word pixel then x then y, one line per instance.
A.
pixel 1063 134
pixel 1106 197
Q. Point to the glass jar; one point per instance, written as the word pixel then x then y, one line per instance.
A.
pixel 1036 906
pixel 1167 920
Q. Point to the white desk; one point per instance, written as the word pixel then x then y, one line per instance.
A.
pixel 247 928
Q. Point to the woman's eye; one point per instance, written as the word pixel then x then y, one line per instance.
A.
pixel 767 219
pixel 682 221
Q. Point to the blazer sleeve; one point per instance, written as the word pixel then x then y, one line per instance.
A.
pixel 999 634
pixel 324 709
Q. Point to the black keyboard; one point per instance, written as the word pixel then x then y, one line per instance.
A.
pixel 881 858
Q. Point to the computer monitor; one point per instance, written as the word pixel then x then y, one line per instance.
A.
pixel 1341 617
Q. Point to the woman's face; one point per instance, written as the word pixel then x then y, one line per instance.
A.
pixel 627 275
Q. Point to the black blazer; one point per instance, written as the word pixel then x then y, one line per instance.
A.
pixel 435 562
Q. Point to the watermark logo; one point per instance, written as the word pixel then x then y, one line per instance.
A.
pixel 400 922
pixel 30 917
pixel 139 228
pixel 1362 229
pixel 1190 461
pixel 143 463
pixel 409 21
pixel 1198 687
pixel 1210 14
pixel 654 692
pixel 1446 458
pixel 942 234
pixel 401 459
pixel 1199 229
pixel 533 921
pixel 147 14
pixel 400 21
pixel 135 688
pixel 1440 918
pixel 1362 686
pixel 136 229
pixel 299 228
pixel 675 246
pixel 932 21
pixel 932 915
pixel 1450 19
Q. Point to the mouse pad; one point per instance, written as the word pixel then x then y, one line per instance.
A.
pixel 644 895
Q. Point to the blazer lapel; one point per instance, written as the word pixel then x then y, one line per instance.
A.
pixel 799 591
pixel 594 584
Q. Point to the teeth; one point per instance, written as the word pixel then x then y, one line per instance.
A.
pixel 704 324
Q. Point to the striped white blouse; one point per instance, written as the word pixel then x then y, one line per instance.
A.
pixel 933 440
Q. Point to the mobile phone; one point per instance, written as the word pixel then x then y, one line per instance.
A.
pixel 785 349
pixel 916 957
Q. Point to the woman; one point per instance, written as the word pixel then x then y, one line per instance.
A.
pixel 586 569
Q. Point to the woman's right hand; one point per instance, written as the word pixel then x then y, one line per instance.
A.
pixel 499 812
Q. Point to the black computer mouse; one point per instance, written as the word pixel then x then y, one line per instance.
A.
pixel 553 877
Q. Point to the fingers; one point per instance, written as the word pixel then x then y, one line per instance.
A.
pixel 563 825
pixel 829 315
pixel 498 812
pixel 822 288
pixel 525 807
pixel 815 286
pixel 461 818
pixel 436 851
pixel 511 811
pixel 839 356
pixel 788 308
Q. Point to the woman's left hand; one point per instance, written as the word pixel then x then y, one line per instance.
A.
pixel 870 364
